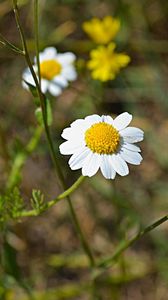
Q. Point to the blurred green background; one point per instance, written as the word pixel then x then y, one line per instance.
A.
pixel 43 255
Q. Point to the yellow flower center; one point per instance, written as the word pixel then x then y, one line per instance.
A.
pixel 102 138
pixel 50 68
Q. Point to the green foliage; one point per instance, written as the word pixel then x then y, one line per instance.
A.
pixel 6 285
pixel 11 204
pixel 73 261
pixel 11 269
pixel 9 261
pixel 38 111
pixel 32 89
pixel 37 201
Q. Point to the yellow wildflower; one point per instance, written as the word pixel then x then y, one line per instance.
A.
pixel 105 63
pixel 102 31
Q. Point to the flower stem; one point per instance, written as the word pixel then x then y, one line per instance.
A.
pixel 40 94
pixel 36 18
pixel 42 98
pixel 125 244
pixel 20 158
pixel 51 203
pixel 12 47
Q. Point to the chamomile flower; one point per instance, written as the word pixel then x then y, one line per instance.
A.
pixel 105 64
pixel 101 142
pixel 102 31
pixel 56 71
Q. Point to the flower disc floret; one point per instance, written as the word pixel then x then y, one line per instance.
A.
pixel 50 68
pixel 102 138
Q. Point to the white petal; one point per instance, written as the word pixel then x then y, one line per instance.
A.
pixel 54 89
pixel 44 85
pixel 119 165
pixel 47 54
pixel 91 164
pixel 107 119
pixel 80 124
pixel 24 85
pixel 28 78
pixel 67 133
pixel 132 134
pixel 67 147
pixel 131 147
pixel 30 81
pixel 26 73
pixel 122 121
pixel 60 81
pixel 131 157
pixel 77 159
pixel 69 73
pixel 93 119
pixel 66 58
pixel 106 167
pixel 74 135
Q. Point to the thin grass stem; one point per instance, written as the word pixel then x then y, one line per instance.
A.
pixel 125 244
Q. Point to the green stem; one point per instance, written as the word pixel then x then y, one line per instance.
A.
pixel 84 242
pixel 51 203
pixel 21 157
pixel 37 38
pixel 125 244
pixel 12 47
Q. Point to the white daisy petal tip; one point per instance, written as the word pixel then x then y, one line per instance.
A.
pixel 65 133
pixel 94 117
pixel 131 157
pixel 49 53
pixel 132 135
pixel 96 142
pixel 122 121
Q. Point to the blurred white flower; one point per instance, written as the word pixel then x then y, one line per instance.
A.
pixel 56 71
pixel 101 142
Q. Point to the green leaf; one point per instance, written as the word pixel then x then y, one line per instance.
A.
pixel 37 200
